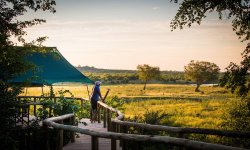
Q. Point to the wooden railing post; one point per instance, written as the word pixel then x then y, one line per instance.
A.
pixel 34 107
pixel 108 119
pixel 94 143
pixel 99 113
pixel 104 117
pixel 28 115
pixel 113 141
pixel 72 134
pixel 46 136
pixel 60 136
pixel 124 143
pixel 181 135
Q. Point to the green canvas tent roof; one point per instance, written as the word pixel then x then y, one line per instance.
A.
pixel 51 67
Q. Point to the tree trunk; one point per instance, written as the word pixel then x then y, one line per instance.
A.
pixel 197 87
pixel 145 84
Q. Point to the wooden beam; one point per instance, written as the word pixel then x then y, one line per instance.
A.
pixel 149 138
pixel 184 130
pixel 94 143
pixel 104 117
pixel 60 136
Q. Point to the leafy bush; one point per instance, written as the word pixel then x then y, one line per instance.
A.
pixel 149 117
pixel 61 107
pixel 85 111
pixel 8 109
pixel 238 116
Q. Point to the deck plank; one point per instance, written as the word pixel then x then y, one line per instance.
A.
pixel 84 141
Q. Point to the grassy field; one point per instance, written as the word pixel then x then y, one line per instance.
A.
pixel 183 106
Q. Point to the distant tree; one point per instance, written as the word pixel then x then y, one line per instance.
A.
pixel 11 57
pixel 194 11
pixel 201 72
pixel 236 77
pixel 147 73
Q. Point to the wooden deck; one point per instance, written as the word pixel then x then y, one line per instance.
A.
pixel 83 142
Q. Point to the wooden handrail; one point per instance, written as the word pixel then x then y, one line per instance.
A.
pixel 118 121
pixel 122 136
pixel 34 101
pixel 120 116
pixel 184 130
pixel 47 123
pixel 76 98
pixel 59 118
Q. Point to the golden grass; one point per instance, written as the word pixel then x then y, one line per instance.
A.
pixel 206 111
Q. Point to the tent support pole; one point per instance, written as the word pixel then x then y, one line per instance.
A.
pixel 26 91
pixel 90 103
pixel 88 91
pixel 42 90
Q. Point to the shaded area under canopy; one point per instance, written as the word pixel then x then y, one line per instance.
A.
pixel 51 67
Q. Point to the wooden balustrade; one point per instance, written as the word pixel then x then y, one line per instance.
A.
pixel 36 100
pixel 59 120
pixel 118 130
pixel 52 122
pixel 118 125
pixel 184 130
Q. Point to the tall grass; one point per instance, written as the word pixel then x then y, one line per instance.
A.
pixel 183 106
pixel 173 105
pixel 188 113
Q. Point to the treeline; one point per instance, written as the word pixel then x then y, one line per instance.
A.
pixel 88 69
pixel 110 76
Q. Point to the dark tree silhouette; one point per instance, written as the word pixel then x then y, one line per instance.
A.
pixel 11 57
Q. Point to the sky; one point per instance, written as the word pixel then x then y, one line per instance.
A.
pixel 121 34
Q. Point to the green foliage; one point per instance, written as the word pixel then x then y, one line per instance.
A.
pixel 238 115
pixel 61 107
pixel 66 106
pixel 201 72
pixel 172 77
pixel 11 57
pixel 236 77
pixel 193 11
pixel 11 9
pixel 108 76
pixel 85 111
pixel 149 117
pixel 115 102
pixel 7 115
pixel 86 69
pixel 188 113
pixel 147 73
pixel 112 78
pixel 169 77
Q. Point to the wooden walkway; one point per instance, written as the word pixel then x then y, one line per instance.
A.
pixel 83 142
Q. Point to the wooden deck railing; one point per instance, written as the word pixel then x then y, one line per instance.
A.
pixel 118 125
pixel 122 136
pixel 36 100
pixel 118 130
